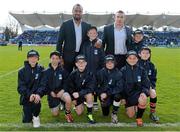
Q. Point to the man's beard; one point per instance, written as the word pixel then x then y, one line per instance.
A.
pixel 77 18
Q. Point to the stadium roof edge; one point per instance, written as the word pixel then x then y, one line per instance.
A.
pixel 98 19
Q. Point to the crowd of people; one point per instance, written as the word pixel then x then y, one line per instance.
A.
pixel 37 37
pixel 115 69
pixel 159 38
pixel 156 38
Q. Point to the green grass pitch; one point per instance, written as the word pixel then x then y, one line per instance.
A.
pixel 168 91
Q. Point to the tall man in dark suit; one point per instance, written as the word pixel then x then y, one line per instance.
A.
pixel 72 33
pixel 117 39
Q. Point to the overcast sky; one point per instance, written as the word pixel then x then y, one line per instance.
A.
pixel 131 6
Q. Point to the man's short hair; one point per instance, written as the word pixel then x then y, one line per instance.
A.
pixel 120 11
pixel 77 5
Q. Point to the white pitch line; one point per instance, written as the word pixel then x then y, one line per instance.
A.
pixel 87 125
pixel 11 72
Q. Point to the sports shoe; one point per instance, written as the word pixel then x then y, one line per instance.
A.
pixel 114 118
pixel 139 122
pixel 154 117
pixel 69 118
pixel 36 122
pixel 90 119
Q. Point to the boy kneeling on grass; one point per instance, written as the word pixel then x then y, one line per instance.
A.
pixel 54 79
pixel 145 54
pixel 28 87
pixel 136 87
pixel 110 88
pixel 80 85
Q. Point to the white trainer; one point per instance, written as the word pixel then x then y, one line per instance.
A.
pixel 36 122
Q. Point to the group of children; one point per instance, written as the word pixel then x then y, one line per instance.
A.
pixel 95 76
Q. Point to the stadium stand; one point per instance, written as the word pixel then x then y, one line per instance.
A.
pixel 156 38
pixel 159 38
pixel 52 21
pixel 38 37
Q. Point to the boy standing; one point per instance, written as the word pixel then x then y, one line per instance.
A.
pixel 138 40
pixel 94 55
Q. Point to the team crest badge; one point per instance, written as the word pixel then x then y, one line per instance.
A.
pixel 95 51
pixel 60 77
pixel 139 78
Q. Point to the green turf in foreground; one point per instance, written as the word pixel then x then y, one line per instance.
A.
pixel 166 60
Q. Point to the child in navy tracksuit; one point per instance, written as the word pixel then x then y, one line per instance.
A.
pixel 110 87
pixel 54 81
pixel 145 62
pixel 94 55
pixel 29 78
pixel 138 40
pixel 136 87
pixel 80 85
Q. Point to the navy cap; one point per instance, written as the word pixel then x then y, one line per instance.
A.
pixel 146 48
pixel 57 53
pixel 32 53
pixel 131 52
pixel 109 58
pixel 138 31
pixel 80 57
